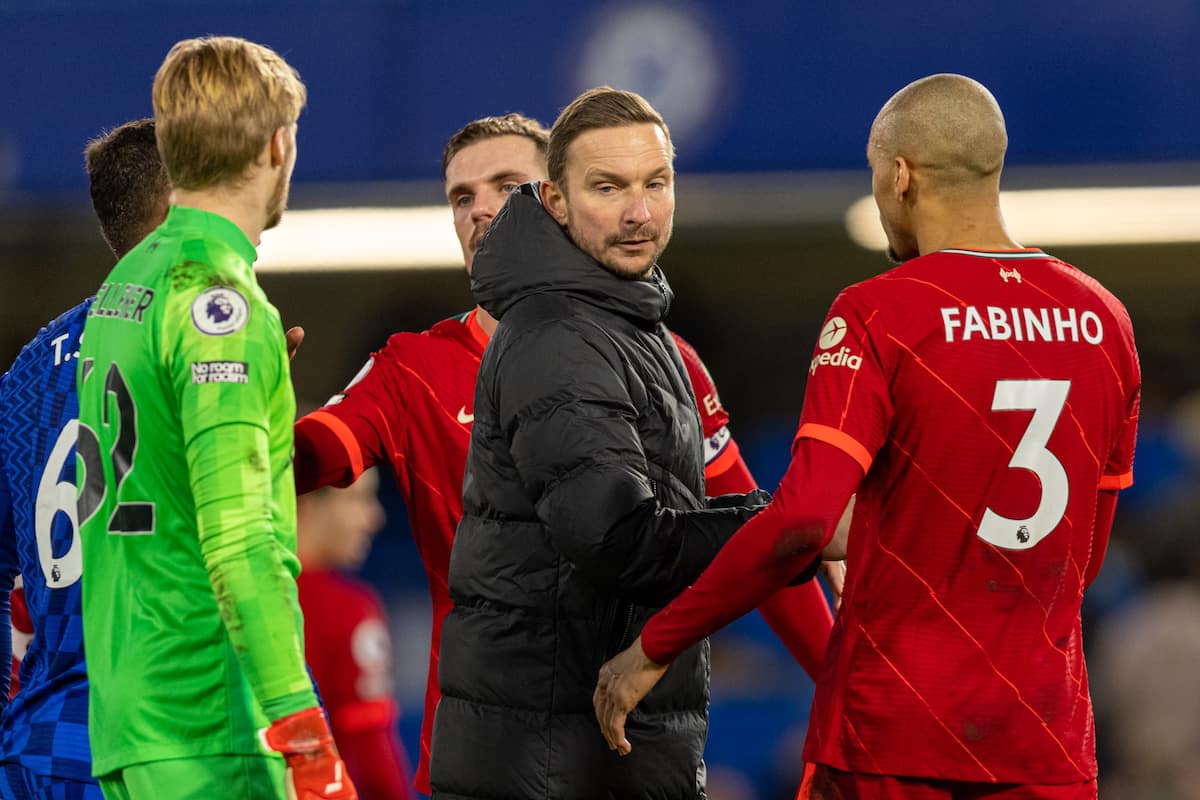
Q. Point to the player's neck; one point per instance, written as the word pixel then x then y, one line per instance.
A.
pixel 486 321
pixel 243 207
pixel 964 228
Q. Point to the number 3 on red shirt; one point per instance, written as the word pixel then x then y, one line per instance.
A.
pixel 1046 399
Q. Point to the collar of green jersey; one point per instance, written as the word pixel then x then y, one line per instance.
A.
pixel 212 226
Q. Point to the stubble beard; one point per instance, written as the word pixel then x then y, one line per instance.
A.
pixel 278 203
pixel 642 270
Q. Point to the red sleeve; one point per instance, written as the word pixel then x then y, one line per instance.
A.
pixel 733 477
pixel 356 429
pixel 1118 470
pixel 798 615
pixel 712 413
pixel 847 400
pixel 765 554
pixel 721 455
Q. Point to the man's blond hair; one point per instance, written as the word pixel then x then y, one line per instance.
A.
pixel 217 101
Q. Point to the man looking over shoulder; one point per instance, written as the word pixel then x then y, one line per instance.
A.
pixel 584 488
pixel 412 405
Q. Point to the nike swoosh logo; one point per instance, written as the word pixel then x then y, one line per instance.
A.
pixel 464 417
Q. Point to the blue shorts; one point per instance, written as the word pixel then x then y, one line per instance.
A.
pixel 18 783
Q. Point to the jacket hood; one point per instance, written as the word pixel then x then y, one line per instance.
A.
pixel 525 252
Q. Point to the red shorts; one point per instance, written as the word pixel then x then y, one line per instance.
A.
pixel 826 783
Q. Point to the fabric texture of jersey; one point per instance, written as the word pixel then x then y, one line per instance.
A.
pixel 349 651
pixel 988 397
pixel 44 727
pixel 192 624
pixel 412 406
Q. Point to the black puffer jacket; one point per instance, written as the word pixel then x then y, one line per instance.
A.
pixel 584 513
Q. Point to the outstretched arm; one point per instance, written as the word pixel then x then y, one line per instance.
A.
pixel 760 559
pixel 576 445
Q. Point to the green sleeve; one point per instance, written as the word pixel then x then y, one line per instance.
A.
pixel 228 377
pixel 255 591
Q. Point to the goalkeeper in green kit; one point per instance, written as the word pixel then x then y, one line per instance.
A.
pixel 187 509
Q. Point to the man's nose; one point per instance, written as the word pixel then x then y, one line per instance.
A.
pixel 638 210
pixel 486 205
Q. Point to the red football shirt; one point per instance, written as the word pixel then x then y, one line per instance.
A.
pixel 349 650
pixel 989 397
pixel 412 406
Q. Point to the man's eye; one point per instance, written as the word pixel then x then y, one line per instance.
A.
pixel 463 200
pixel 606 188
pixel 509 188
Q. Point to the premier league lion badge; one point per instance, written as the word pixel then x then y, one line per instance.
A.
pixel 220 311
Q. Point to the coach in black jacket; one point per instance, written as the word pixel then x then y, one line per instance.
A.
pixel 584 490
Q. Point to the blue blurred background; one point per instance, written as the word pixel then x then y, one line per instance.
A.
pixel 769 102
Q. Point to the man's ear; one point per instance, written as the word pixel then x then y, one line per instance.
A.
pixel 555 201
pixel 904 179
pixel 279 146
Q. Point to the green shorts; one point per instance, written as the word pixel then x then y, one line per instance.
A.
pixel 200 778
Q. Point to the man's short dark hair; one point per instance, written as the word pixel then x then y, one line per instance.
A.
pixel 489 128
pixel 128 183
pixel 602 107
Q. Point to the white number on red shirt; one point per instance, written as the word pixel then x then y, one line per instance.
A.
pixel 1046 399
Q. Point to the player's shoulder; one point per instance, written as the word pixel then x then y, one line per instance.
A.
pixel 1088 283
pixel 708 400
pixel 59 336
pixel 696 368
pixel 68 322
pixel 200 262
pixel 686 350
pixel 443 343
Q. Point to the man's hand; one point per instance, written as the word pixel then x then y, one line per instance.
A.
pixel 624 681
pixel 294 336
pixel 314 769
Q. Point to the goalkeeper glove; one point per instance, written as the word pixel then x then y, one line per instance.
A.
pixel 314 769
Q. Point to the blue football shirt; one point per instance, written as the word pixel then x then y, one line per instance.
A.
pixel 44 728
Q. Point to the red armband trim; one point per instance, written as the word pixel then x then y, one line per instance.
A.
pixel 723 462
pixel 839 439
pixel 346 436
pixel 1116 482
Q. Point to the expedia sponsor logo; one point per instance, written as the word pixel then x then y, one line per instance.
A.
pixel 220 372
pixel 832 335
pixel 833 332
pixel 842 358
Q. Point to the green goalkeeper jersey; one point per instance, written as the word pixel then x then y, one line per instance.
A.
pixel 187 507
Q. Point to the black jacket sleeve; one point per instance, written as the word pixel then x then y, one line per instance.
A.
pixel 573 437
